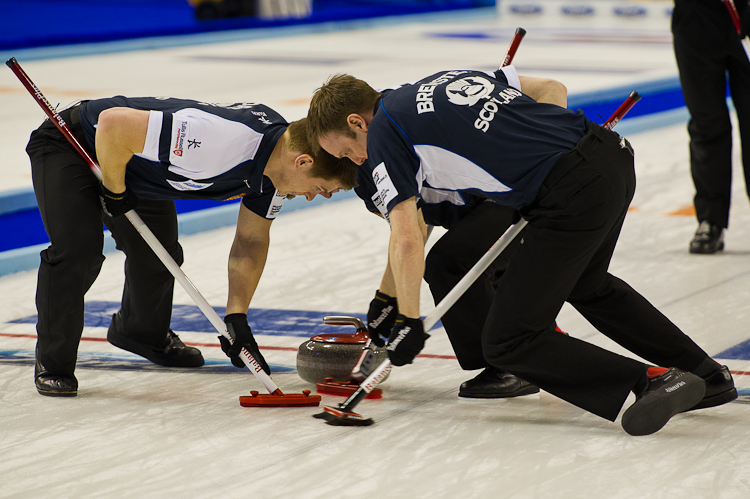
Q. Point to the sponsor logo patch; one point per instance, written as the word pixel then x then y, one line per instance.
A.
pixel 386 191
pixel 276 204
pixel 188 185
pixel 179 140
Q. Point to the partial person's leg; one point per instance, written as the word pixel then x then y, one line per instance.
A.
pixel 575 224
pixel 702 65
pixel 450 258
pixel 67 196
pixel 142 325
pixel 739 86
pixel 454 254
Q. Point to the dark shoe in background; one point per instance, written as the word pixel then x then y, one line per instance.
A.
pixel 54 385
pixel 708 239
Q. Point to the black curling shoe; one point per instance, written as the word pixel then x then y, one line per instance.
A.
pixel 708 239
pixel 668 394
pixel 494 384
pixel 54 385
pixel 174 353
pixel 719 389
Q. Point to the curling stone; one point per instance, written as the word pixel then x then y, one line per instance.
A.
pixel 335 355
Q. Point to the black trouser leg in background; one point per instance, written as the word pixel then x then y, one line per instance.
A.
pixel 146 308
pixel 707 49
pixel 739 88
pixel 703 82
pixel 454 254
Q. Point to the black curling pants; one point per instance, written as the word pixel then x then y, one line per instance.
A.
pixel 451 257
pixel 67 195
pixel 708 52
pixel 565 253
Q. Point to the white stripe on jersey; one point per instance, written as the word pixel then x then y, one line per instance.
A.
pixel 436 196
pixel 443 169
pixel 151 147
pixel 198 147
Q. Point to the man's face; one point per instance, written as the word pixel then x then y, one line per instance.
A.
pixel 300 183
pixel 341 145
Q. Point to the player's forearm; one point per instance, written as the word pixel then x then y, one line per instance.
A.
pixel 246 264
pixel 387 284
pixel 406 252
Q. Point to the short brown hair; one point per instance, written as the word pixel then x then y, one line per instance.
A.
pixel 339 97
pixel 325 166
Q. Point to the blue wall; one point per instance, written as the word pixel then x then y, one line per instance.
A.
pixel 37 23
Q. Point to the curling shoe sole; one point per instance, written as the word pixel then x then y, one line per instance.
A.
pixel 670 393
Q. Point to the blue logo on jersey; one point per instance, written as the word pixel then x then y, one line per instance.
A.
pixel 188 185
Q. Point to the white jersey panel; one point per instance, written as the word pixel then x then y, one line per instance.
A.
pixel 151 147
pixel 199 144
pixel 512 76
pixel 443 169
pixel 436 196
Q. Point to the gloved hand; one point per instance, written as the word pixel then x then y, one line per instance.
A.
pixel 381 317
pixel 115 205
pixel 240 332
pixel 406 341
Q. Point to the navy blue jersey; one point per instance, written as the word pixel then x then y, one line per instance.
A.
pixel 442 213
pixel 198 150
pixel 462 134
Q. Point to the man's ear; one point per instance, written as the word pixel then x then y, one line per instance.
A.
pixel 356 121
pixel 303 161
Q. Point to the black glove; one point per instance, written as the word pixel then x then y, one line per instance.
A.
pixel 115 205
pixel 406 341
pixel 381 317
pixel 240 332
